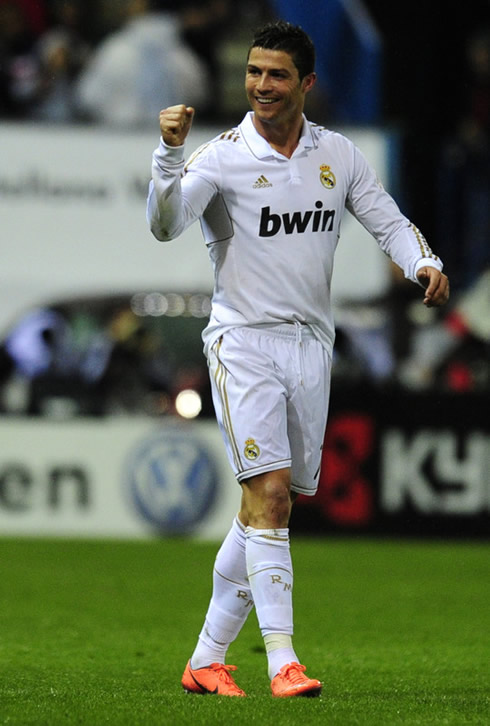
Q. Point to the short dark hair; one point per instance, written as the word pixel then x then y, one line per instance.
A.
pixel 290 38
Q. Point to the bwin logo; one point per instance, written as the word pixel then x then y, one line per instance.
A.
pixel 320 220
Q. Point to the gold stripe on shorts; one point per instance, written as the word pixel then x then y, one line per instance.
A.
pixel 220 380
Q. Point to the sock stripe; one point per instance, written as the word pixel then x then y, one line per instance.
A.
pixel 228 579
pixel 271 535
pixel 274 567
pixel 273 538
pixel 215 639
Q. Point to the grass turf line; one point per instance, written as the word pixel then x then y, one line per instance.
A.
pixel 99 632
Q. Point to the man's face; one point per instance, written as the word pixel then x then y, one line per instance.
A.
pixel 275 92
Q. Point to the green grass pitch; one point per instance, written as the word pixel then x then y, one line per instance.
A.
pixel 99 633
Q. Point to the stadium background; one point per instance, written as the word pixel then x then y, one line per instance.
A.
pixel 114 490
pixel 407 447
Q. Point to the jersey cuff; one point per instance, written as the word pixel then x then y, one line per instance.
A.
pixel 426 262
pixel 171 154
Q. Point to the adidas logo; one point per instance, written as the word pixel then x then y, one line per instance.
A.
pixel 262 182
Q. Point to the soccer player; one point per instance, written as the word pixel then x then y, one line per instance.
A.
pixel 270 195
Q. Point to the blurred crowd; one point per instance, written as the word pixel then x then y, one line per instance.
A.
pixel 112 62
pixel 107 355
pixel 118 62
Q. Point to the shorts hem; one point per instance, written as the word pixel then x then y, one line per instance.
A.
pixel 248 473
pixel 302 490
pixel 285 464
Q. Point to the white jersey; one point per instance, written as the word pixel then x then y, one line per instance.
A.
pixel 272 224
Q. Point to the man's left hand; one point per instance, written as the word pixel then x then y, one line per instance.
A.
pixel 436 286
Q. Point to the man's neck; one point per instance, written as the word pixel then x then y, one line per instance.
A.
pixel 283 139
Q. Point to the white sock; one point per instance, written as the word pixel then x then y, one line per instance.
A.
pixel 280 652
pixel 270 573
pixel 231 601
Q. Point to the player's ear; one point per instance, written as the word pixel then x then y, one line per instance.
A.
pixel 308 82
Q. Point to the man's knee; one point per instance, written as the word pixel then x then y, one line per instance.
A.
pixel 266 500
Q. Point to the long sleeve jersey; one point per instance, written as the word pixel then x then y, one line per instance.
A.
pixel 272 223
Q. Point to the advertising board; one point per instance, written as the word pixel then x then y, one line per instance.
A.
pixel 403 464
pixel 124 478
pixel 393 464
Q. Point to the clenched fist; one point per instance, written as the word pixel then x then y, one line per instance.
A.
pixel 175 124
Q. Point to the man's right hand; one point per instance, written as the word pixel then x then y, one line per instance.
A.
pixel 175 124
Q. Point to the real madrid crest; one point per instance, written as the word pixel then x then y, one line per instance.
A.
pixel 251 450
pixel 327 177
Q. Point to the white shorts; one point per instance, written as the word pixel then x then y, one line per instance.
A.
pixel 271 389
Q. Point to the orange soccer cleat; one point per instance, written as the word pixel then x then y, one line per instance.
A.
pixel 215 679
pixel 291 681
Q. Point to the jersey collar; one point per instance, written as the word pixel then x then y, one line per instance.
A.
pixel 262 149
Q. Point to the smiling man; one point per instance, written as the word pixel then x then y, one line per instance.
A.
pixel 276 93
pixel 270 195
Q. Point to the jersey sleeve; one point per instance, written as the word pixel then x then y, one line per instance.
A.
pixel 378 212
pixel 178 195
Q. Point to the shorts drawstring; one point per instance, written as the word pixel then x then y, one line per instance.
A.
pixel 299 351
pixel 299 332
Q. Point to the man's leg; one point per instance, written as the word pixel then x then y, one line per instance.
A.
pixel 266 507
pixel 231 602
pixel 276 425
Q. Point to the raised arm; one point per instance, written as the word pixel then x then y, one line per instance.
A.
pixel 176 199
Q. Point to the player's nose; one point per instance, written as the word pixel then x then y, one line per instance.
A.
pixel 262 84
